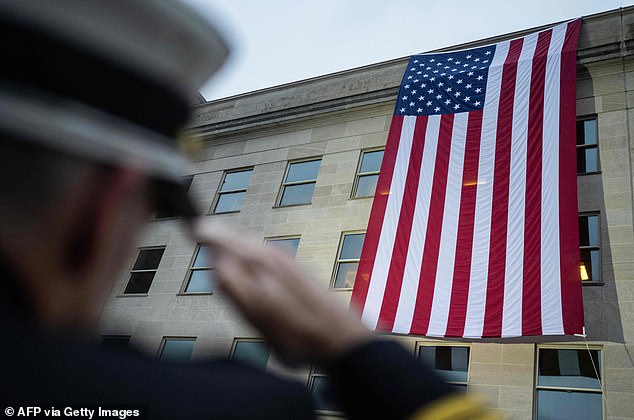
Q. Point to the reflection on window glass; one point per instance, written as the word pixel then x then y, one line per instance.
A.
pixel 232 191
pixel 368 174
pixel 347 262
pixel 299 184
pixel 177 350
pixel 587 146
pixel 200 277
pixel 289 245
pixel 570 379
pixel 450 362
pixel 253 353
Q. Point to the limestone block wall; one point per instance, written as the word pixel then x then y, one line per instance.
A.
pixel 334 118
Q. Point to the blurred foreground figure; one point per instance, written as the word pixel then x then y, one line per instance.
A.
pixel 93 97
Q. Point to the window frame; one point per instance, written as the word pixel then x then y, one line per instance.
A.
pixel 598 248
pixel 132 270
pixel 284 184
pixel 589 146
pixel 338 260
pixel 420 344
pixel 312 374
pixel 237 340
pixel 585 347
pixel 283 238
pixel 167 338
pixel 359 174
pixel 190 269
pixel 214 202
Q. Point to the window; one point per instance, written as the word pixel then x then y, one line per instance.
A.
pixel 589 234
pixel 449 362
pixel 115 341
pixel 232 190
pixel 144 269
pixel 587 146
pixel 321 391
pixel 569 378
pixel 287 244
pixel 252 352
pixel 347 262
pixel 200 278
pixel 367 174
pixel 178 350
pixel 299 183
pixel 169 214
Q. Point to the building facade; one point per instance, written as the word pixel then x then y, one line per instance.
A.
pixel 297 164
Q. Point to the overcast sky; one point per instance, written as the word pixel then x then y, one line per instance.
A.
pixel 280 41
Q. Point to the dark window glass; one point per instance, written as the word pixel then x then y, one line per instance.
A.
pixel 139 282
pixel 587 146
pixel 324 398
pixel 148 259
pixel 347 262
pixel 144 270
pixel 569 384
pixel 177 350
pixel 232 191
pixel 253 353
pixel 288 244
pixel 450 362
pixel 297 194
pixel 589 230
pixel 569 368
pixel 115 341
pixel 590 251
pixel 167 214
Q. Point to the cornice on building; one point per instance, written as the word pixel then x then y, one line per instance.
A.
pixel 603 36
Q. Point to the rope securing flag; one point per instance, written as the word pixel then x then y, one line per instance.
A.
pixel 473 230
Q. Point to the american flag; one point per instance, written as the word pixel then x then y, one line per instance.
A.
pixel 473 230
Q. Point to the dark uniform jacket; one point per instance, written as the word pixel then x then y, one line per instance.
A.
pixel 378 380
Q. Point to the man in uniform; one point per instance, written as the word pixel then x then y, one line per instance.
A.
pixel 93 97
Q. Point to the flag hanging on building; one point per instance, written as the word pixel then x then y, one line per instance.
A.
pixel 473 230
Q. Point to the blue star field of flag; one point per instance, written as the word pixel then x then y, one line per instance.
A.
pixel 445 83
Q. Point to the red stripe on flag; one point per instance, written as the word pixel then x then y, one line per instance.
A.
pixel 531 291
pixel 420 321
pixel 571 298
pixel 499 207
pixel 464 241
pixel 401 242
pixel 370 245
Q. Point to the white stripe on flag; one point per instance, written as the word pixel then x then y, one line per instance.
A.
pixel 385 247
pixel 474 322
pixel 449 234
pixel 552 321
pixel 514 271
pixel 411 273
